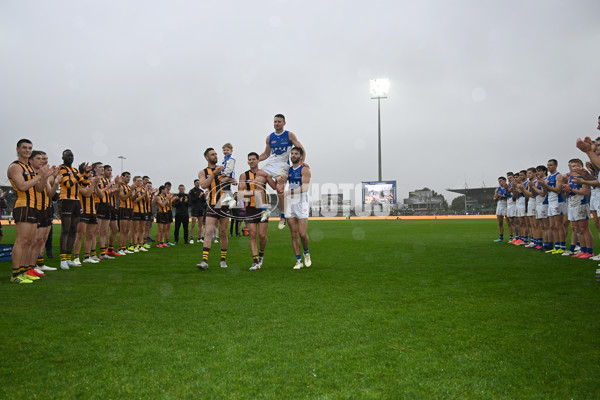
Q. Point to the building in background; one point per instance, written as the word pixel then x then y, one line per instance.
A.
pixel 474 200
pixel 424 201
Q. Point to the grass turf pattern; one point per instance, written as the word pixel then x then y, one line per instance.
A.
pixel 389 309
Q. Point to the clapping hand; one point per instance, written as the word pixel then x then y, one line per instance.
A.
pixel 584 145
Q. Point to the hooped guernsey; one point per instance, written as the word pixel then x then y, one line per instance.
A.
pixel 29 197
pixel 215 190
pixel 68 184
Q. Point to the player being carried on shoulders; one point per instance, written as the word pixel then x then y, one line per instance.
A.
pixel 278 149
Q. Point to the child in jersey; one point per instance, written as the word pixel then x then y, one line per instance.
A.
pixel 228 174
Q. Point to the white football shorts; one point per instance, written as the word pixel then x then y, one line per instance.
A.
pixel 556 208
pixel 577 213
pixel 501 207
pixel 276 169
pixel 296 206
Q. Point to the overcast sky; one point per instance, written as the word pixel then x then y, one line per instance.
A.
pixel 477 87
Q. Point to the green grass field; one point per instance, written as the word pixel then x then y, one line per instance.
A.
pixel 389 310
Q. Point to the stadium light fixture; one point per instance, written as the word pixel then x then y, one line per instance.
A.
pixel 379 90
pixel 122 158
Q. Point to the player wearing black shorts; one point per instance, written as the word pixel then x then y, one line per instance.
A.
pixel 140 214
pixel 252 214
pixel 25 182
pixel 169 212
pixel 125 213
pixel 216 213
pixel 162 220
pixel 198 209
pixel 103 208
pixel 112 204
pixel 88 221
pixel 44 197
pixel 69 205
pixel 149 215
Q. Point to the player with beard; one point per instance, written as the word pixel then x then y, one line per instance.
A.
pixel 216 213
pixel 296 206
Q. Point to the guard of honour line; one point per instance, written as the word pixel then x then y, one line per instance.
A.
pixel 115 215
pixel 540 203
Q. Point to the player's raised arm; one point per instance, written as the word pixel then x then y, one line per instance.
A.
pixel 587 146
pixel 297 143
pixel 205 180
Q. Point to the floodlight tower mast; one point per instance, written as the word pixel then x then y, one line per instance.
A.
pixel 379 89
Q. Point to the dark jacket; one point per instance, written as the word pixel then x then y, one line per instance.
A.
pixel 181 204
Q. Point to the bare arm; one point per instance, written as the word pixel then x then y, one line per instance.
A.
pixel 527 190
pixel 590 182
pixel 542 191
pixel 85 190
pixel 265 154
pixel 306 174
pixel 585 145
pixel 297 143
pixel 15 175
pixel 205 181
pixel 556 189
pixel 585 190
pixel 243 194
pixel 52 184
pixel 305 181
pixel 122 196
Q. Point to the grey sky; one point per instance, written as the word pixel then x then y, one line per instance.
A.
pixel 477 87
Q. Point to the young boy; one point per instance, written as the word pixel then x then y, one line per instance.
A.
pixel 228 174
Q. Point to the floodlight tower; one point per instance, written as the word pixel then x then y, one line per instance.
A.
pixel 379 90
pixel 122 158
